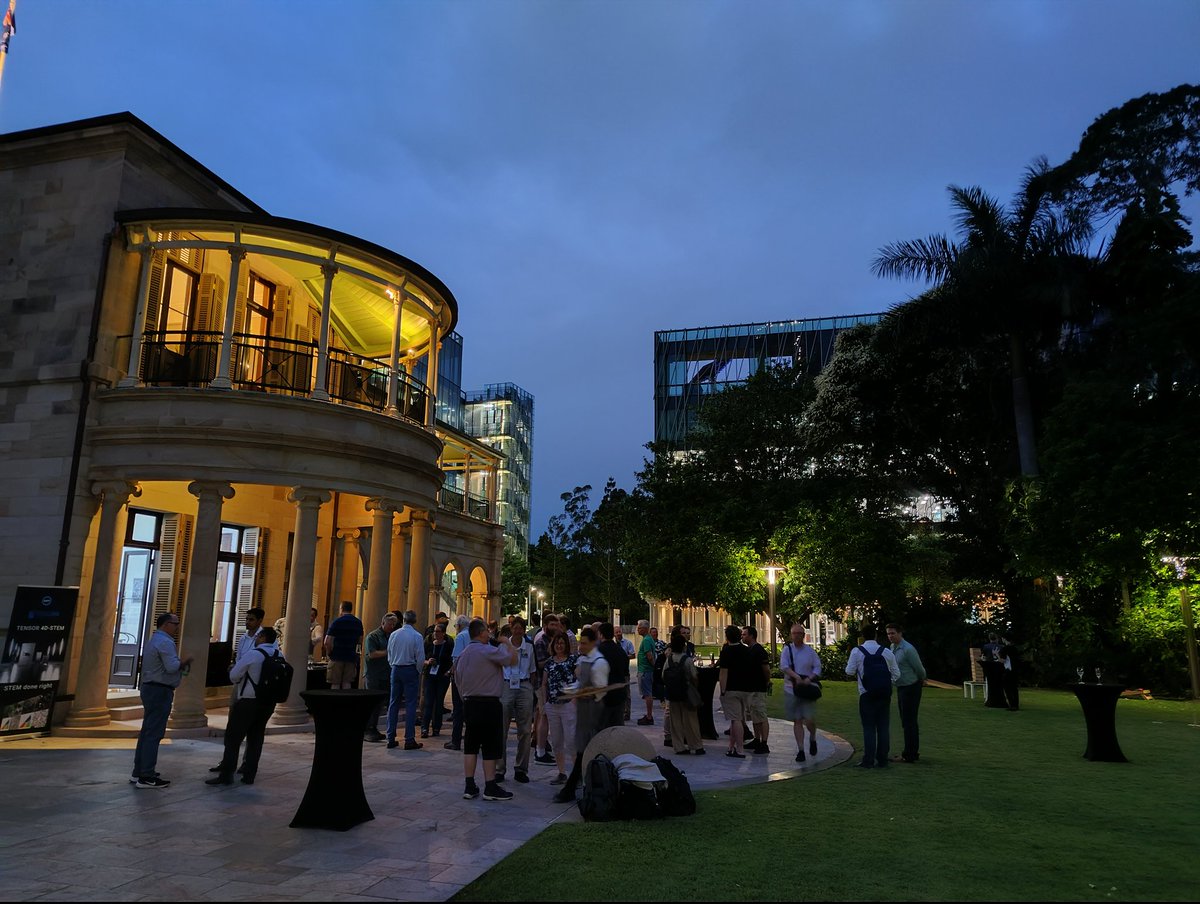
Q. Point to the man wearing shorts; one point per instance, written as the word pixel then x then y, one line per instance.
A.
pixel 479 673
pixel 739 679
pixel 801 666
pixel 341 643
pixel 645 671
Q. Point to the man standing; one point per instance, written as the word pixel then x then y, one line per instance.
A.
pixel 341 645
pixel 162 670
pixel 908 692
pixel 541 654
pixel 876 670
pixel 758 697
pixel 248 716
pixel 316 633
pixel 738 678
pixel 461 639
pixel 379 673
pixel 406 654
pixel 481 681
pixel 801 667
pixel 627 645
pixel 516 703
pixel 246 642
pixel 645 670
pixel 612 705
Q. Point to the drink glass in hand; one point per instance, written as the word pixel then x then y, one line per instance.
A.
pixel 1097 674
pixel 1079 672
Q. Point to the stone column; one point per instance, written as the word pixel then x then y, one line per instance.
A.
pixel 431 373
pixel 221 380
pixel 196 631
pixel 419 564
pixel 394 374
pixel 95 664
pixel 399 570
pixel 320 393
pixel 348 582
pixel 463 600
pixel 379 576
pixel 493 605
pixel 133 372
pixel 308 502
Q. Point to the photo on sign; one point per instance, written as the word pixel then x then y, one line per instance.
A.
pixel 26 710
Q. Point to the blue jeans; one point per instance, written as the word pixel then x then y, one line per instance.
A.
pixel 156 706
pixel 435 701
pixel 406 682
pixel 876 715
pixel 908 700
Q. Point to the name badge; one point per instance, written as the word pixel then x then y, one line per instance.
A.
pixel 514 681
pixel 433 670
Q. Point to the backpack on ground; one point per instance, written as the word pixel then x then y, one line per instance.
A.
pixel 676 799
pixel 639 800
pixel 876 676
pixel 675 680
pixel 275 680
pixel 601 788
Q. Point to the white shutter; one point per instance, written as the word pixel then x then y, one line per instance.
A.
pixel 280 306
pixel 158 272
pixel 175 543
pixel 210 300
pixel 247 573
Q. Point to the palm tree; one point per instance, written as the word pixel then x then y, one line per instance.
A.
pixel 1009 276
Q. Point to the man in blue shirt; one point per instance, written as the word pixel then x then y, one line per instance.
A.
pixel 341 643
pixel 406 654
pixel 462 638
pixel 162 670
pixel 516 703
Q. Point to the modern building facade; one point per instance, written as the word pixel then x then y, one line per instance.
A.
pixel 692 364
pixel 501 416
pixel 205 407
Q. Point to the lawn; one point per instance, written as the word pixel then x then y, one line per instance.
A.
pixel 1002 806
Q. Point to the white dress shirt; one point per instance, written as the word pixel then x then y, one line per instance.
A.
pixel 855 665
pixel 247 671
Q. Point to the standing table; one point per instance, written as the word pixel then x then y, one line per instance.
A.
pixel 335 798
pixel 993 673
pixel 1099 702
pixel 709 677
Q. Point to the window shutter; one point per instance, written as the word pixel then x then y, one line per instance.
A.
pixel 210 300
pixel 248 573
pixel 279 311
pixel 169 576
pixel 158 272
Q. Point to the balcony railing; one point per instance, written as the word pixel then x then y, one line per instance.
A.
pixel 273 364
pixel 468 503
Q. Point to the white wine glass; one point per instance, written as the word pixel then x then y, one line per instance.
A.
pixel 1079 672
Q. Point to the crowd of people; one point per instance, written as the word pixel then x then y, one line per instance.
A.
pixel 556 686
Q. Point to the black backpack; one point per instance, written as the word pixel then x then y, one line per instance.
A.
pixel 676 799
pixel 675 680
pixel 601 787
pixel 876 677
pixel 636 802
pixel 275 680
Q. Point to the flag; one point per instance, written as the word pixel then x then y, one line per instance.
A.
pixel 10 27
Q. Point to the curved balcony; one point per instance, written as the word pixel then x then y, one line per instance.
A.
pixel 453 500
pixel 277 365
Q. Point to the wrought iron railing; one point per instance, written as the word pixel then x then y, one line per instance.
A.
pixel 273 364
pixel 456 500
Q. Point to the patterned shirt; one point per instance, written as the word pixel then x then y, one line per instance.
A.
pixel 559 675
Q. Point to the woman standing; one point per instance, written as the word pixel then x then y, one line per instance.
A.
pixel 560 713
pixel 438 661
pixel 592 672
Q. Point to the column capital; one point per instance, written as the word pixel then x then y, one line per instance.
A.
pixel 237 253
pixel 402 530
pixel 352 533
pixel 419 516
pixel 329 271
pixel 200 488
pixel 116 490
pixel 308 497
pixel 382 504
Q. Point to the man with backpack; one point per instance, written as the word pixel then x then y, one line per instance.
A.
pixel 875 668
pixel 261 678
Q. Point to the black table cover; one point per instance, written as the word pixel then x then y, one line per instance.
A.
pixel 1099 702
pixel 318 678
pixel 335 798
pixel 709 679
pixel 993 671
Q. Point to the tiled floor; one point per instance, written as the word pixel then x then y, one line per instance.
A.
pixel 73 828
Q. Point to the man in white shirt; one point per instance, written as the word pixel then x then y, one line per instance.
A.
pixel 248 716
pixel 876 670
pixel 246 642
pixel 406 655
pixel 801 667
pixel 516 702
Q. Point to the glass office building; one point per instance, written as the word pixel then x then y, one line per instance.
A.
pixel 692 364
pixel 501 416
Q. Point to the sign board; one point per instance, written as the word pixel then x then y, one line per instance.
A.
pixel 34 650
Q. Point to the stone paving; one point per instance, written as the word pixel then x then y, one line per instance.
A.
pixel 72 828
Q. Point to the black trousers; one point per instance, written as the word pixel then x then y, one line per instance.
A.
pixel 1011 694
pixel 908 701
pixel 247 722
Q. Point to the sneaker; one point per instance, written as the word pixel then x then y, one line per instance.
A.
pixel 864 765
pixel 735 755
pixel 450 745
pixel 152 782
pixel 549 749
pixel 219 779
pixel 760 749
pixel 247 779
pixel 752 746
pixel 560 779
pixel 493 791
pixel 667 741
pixel 373 738
pixel 812 747
pixel 800 756
pixel 644 721
pixel 699 751
pixel 545 759
pixel 424 732
pixel 471 791
pixel 521 778
pixel 412 745
pixel 393 744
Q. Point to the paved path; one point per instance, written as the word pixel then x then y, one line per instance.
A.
pixel 73 828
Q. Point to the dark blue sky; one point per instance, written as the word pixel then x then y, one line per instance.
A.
pixel 581 174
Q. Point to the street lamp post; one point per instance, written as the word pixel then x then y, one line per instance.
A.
pixel 772 571
pixel 529 603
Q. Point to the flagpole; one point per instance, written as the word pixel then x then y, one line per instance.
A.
pixel 10 28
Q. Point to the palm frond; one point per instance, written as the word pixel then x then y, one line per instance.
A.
pixel 931 259
pixel 980 218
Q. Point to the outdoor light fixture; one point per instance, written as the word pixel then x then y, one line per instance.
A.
pixel 772 571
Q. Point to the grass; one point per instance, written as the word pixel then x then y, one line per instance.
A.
pixel 1002 806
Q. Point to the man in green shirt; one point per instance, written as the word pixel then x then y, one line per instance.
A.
pixel 645 668
pixel 908 692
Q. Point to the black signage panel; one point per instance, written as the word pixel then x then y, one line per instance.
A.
pixel 34 651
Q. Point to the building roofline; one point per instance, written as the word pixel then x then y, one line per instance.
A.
pixel 111 120
pixel 765 323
